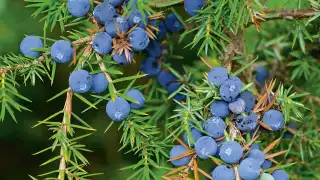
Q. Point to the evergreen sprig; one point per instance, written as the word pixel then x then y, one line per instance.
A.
pixel 72 161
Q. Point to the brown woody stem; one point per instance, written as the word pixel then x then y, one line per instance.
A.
pixel 291 14
pixel 66 119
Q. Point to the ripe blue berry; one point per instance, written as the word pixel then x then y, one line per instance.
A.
pixel 151 66
pixel 230 89
pixel 274 119
pixel 191 6
pixel 266 176
pixel 154 49
pixel 165 78
pixel 287 134
pixel 261 74
pixel 215 126
pixel 205 147
pixel 253 131
pixel 136 95
pixel 236 79
pixel 231 152
pixel 162 30
pixel 104 12
pixel 248 122
pixel 172 23
pixel 270 97
pixel 219 108
pixel 255 146
pixel 249 169
pixel 176 151
pixel 266 164
pixel 120 22
pixel 28 43
pixel 217 76
pixel 121 59
pixel 257 155
pixel 99 83
pixel 172 87
pixel 196 134
pixel 153 23
pixel 139 39
pixel 280 175
pixel 102 43
pixel 78 8
pixel 249 100
pixel 118 110
pixel 62 51
pixel 80 81
pixel 136 18
pixel 114 2
pixel 237 106
pixel 223 172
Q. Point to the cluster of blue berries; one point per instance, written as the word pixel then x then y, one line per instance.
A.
pixel 209 144
pixel 151 65
pixel 80 81
pixel 119 109
pixel 233 100
pixel 168 81
pixel 116 27
pixel 231 153
pixel 154 50
pixel 240 103
pixel 117 30
pixel 61 51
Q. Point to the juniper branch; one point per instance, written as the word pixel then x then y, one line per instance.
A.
pixel 298 89
pixel 37 61
pixel 104 70
pixel 235 47
pixel 66 117
pixel 285 14
pixel 42 58
pixel 291 14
